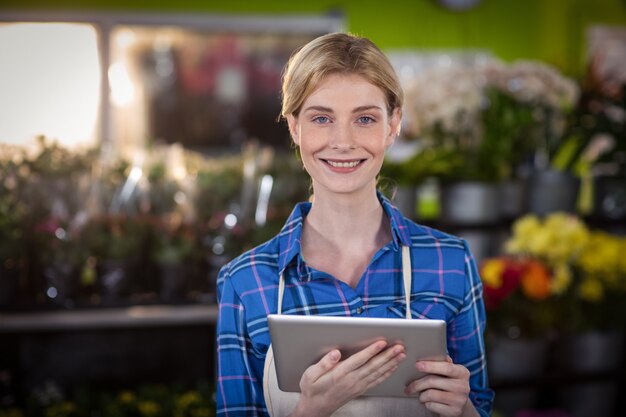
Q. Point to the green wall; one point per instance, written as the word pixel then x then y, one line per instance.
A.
pixel 549 30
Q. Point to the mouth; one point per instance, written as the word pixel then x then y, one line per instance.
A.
pixel 353 163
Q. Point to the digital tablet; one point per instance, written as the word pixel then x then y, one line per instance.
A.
pixel 300 341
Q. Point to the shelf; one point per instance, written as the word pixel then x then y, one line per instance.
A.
pixel 112 318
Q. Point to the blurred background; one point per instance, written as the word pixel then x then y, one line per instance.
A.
pixel 139 152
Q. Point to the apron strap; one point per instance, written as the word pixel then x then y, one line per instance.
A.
pixel 406 274
pixel 281 290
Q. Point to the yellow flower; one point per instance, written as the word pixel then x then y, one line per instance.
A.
pixel 591 290
pixel 188 398
pixel 561 279
pixel 491 272
pixel 148 408
pixel 524 229
pixel 126 397
pixel 603 260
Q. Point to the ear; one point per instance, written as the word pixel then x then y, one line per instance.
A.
pixel 395 122
pixel 294 128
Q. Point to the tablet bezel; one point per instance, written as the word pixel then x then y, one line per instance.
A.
pixel 299 341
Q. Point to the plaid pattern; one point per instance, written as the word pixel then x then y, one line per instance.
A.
pixel 445 286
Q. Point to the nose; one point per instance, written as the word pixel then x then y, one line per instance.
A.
pixel 342 137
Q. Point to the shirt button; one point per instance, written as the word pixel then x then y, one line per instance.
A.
pixel 359 310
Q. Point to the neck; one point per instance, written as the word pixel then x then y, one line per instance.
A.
pixel 349 220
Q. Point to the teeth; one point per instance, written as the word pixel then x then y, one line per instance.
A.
pixel 350 164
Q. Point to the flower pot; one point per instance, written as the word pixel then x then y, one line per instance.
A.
pixel 511 360
pixel 516 359
pixel 591 353
pixel 551 191
pixel 470 203
pixel 610 198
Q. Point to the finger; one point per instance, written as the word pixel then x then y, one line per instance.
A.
pixel 436 382
pixel 382 363
pixel 455 403
pixel 360 358
pixel 383 376
pixel 442 368
pixel 325 365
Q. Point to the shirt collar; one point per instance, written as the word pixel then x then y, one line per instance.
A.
pixel 290 235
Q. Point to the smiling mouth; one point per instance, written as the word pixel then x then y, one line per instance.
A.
pixel 343 164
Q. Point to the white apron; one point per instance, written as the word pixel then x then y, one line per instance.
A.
pixel 280 403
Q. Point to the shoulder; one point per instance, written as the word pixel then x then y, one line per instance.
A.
pixel 425 236
pixel 251 269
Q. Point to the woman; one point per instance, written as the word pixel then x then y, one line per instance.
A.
pixel 342 255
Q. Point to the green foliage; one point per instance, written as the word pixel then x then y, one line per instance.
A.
pixel 509 136
pixel 431 162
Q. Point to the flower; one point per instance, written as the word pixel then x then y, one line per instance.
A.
pixel 526 288
pixel 598 294
pixel 582 271
pixel 494 114
pixel 557 240
pixel 517 293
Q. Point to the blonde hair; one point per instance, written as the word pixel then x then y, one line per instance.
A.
pixel 337 53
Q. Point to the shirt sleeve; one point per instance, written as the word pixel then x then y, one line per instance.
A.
pixel 239 382
pixel 466 341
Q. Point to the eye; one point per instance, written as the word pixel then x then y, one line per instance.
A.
pixel 365 120
pixel 321 120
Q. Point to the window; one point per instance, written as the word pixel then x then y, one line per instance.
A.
pixel 208 82
pixel 50 82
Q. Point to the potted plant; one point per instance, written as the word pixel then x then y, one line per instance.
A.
pixel 524 292
pixel 443 108
pixel 174 250
pixel 592 332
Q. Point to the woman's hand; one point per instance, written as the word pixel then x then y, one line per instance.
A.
pixel 329 384
pixel 445 389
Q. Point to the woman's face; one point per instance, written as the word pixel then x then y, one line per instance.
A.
pixel 343 130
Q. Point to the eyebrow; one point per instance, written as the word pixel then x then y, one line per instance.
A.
pixel 355 110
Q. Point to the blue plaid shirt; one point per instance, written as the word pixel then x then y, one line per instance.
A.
pixel 445 285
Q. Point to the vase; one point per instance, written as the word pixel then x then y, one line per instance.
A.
pixel 609 198
pixel 550 191
pixel 514 360
pixel 470 203
pixel 591 353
